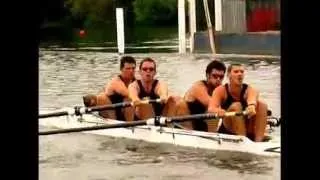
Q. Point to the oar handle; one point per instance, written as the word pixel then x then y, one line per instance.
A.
pixel 147 101
pixel 242 113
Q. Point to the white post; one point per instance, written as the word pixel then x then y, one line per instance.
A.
pixel 182 26
pixel 218 14
pixel 210 31
pixel 120 30
pixel 193 23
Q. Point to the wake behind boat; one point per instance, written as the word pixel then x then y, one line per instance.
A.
pixel 152 131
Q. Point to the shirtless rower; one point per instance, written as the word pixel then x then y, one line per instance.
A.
pixel 196 99
pixel 116 91
pixel 238 96
pixel 150 88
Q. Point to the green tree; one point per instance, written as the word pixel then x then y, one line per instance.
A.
pixel 93 12
pixel 156 12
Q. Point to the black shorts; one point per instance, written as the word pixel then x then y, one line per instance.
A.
pixel 200 125
pixel 224 130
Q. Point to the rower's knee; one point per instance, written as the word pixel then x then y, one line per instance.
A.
pixel 176 99
pixel 262 106
pixel 257 125
pixel 261 111
pixel 171 101
pixel 183 109
pixel 235 124
pixel 89 100
pixel 144 111
pixel 128 111
pixel 102 99
pixel 170 107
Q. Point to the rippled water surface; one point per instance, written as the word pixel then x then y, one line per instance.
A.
pixel 64 77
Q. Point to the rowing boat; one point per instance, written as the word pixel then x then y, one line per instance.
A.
pixel 176 136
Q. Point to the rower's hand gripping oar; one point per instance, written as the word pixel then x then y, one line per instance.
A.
pixel 78 110
pixel 157 121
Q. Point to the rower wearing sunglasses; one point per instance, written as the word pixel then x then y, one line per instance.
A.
pixel 196 99
pixel 238 96
pixel 147 87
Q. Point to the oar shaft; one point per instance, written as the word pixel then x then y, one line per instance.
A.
pixel 106 126
pixel 191 117
pixel 107 107
pixel 117 105
pixel 81 110
pixel 63 113
pixel 203 116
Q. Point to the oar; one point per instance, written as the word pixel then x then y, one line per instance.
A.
pixel 152 121
pixel 83 110
pixel 202 116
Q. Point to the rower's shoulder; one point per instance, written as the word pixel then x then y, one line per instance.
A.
pixel 113 80
pixel 134 84
pixel 160 81
pixel 251 88
pixel 220 89
pixel 196 88
pixel 199 85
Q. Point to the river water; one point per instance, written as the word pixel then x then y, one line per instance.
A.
pixel 65 76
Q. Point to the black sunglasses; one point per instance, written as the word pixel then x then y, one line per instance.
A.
pixel 146 69
pixel 216 76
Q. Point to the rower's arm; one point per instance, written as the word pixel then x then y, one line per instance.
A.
pixel 162 90
pixel 252 95
pixel 199 92
pixel 133 91
pixel 108 88
pixel 120 88
pixel 216 99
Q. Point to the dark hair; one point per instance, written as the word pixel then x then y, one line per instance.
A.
pixel 231 65
pixel 148 60
pixel 126 59
pixel 215 64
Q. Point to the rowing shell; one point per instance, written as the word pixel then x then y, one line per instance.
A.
pixel 181 137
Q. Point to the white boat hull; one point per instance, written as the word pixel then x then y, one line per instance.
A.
pixel 156 134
